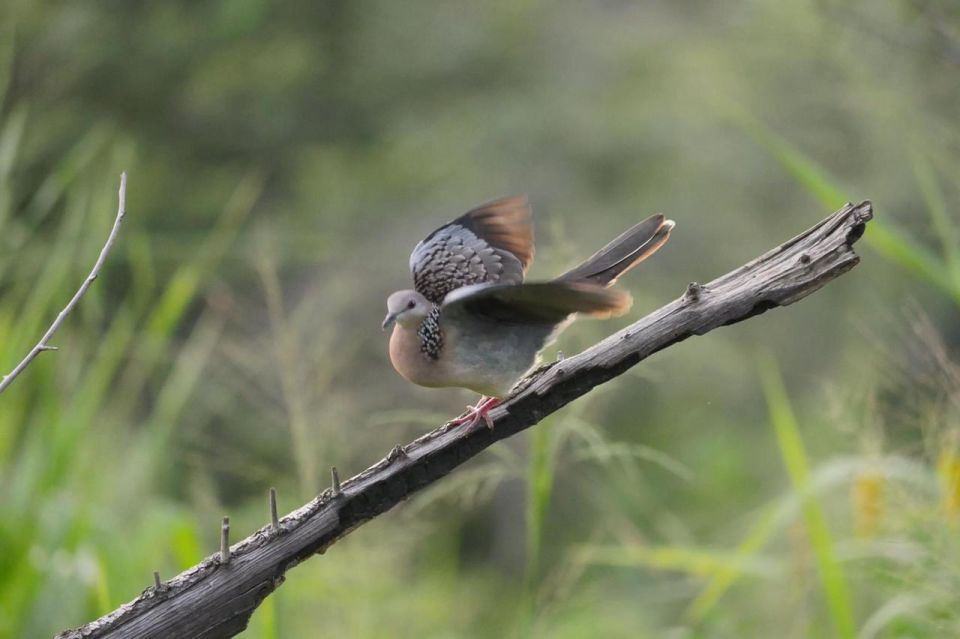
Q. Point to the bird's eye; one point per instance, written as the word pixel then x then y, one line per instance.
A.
pixel 411 304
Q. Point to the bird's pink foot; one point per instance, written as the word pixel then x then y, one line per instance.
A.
pixel 475 413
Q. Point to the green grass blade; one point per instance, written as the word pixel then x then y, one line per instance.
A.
pixel 937 206
pixel 65 174
pixel 892 243
pixel 10 137
pixel 165 316
pixel 799 166
pixel 8 40
pixel 539 490
pixel 726 575
pixel 832 578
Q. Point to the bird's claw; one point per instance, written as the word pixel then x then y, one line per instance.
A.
pixel 475 413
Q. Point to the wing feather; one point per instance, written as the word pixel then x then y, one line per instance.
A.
pixel 491 244
pixel 536 303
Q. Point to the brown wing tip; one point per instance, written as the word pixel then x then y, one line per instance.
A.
pixel 619 305
pixel 507 222
pixel 604 302
pixel 510 202
pixel 512 208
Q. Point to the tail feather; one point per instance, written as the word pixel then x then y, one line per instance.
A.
pixel 623 253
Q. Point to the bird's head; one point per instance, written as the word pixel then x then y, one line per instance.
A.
pixel 406 308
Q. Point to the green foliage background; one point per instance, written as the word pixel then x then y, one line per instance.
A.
pixel 796 475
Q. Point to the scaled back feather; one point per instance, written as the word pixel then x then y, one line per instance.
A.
pixel 492 243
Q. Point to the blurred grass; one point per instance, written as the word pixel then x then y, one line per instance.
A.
pixel 283 161
pixel 795 459
pixel 895 244
pixel 540 482
pixel 49 455
pixel 723 578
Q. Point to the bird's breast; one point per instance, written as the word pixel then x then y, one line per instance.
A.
pixel 481 358
pixel 409 359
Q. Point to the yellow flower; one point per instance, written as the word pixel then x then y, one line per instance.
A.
pixel 868 503
pixel 948 468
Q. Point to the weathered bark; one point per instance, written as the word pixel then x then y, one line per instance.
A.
pixel 216 600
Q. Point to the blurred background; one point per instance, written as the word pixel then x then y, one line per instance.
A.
pixel 797 474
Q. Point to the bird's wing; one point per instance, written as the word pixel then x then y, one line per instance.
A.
pixel 537 303
pixel 490 244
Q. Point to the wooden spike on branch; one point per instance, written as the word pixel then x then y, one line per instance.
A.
pixel 335 482
pixel 225 542
pixel 211 603
pixel 274 517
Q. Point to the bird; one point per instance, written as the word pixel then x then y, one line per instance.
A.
pixel 471 321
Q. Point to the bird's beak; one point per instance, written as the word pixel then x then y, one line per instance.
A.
pixel 389 320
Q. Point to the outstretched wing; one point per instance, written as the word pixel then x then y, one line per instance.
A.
pixel 538 303
pixel 491 244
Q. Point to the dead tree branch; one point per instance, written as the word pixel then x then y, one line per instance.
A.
pixel 216 598
pixel 44 344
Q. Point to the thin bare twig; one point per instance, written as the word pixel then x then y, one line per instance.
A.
pixel 42 345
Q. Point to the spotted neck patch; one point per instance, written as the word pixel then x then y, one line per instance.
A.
pixel 430 334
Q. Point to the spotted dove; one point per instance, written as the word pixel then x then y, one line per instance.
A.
pixel 472 322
